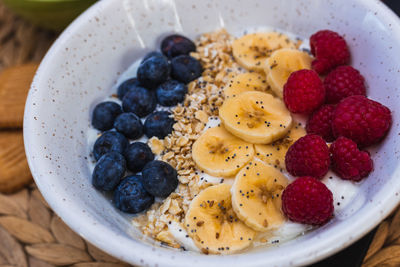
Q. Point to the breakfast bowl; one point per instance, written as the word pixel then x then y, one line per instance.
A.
pixel 85 63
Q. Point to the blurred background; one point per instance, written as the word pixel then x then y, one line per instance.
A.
pixel 51 14
pixel 30 233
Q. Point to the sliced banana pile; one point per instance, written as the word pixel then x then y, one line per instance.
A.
pixel 281 64
pixel 251 50
pixel 249 81
pixel 275 152
pixel 256 196
pixel 219 153
pixel 249 145
pixel 256 117
pixel 213 225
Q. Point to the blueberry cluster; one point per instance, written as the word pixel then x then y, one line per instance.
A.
pixel 161 78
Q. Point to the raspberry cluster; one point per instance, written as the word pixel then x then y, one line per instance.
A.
pixel 340 113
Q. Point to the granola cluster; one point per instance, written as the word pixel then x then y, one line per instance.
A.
pixel 205 96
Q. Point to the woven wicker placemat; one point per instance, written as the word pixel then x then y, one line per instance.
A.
pixel 32 235
pixel 20 41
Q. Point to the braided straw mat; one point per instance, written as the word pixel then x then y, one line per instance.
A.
pixel 32 235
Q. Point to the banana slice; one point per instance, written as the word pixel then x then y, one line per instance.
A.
pixel 281 64
pixel 256 196
pixel 219 153
pixel 275 152
pixel 255 117
pixel 212 224
pixel 250 81
pixel 251 50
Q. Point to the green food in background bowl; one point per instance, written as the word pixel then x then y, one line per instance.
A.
pixel 51 14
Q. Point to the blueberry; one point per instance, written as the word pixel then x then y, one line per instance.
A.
pixel 153 71
pixel 109 141
pixel 130 195
pixel 158 124
pixel 137 155
pixel 159 178
pixel 152 54
pixel 140 101
pixel 176 45
pixel 126 86
pixel 185 68
pixel 104 115
pixel 108 171
pixel 129 125
pixel 171 93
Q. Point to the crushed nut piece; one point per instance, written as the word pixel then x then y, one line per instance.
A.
pixel 201 116
pixel 156 145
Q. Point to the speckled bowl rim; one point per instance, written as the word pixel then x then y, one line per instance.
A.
pixel 301 256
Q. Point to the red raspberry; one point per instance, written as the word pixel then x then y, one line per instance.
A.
pixel 362 120
pixel 320 122
pixel 303 91
pixel 342 82
pixel 308 156
pixel 308 201
pixel 349 162
pixel 330 51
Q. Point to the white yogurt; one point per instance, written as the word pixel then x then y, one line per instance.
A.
pixel 343 191
pixel 286 232
pixel 206 178
pixel 92 135
pixel 128 74
pixel 213 121
pixel 347 198
pixel 181 236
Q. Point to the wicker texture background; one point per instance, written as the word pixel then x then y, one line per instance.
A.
pixel 32 235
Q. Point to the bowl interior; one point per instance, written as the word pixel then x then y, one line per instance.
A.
pixel 84 64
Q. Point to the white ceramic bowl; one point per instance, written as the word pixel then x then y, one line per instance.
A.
pixel 86 60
